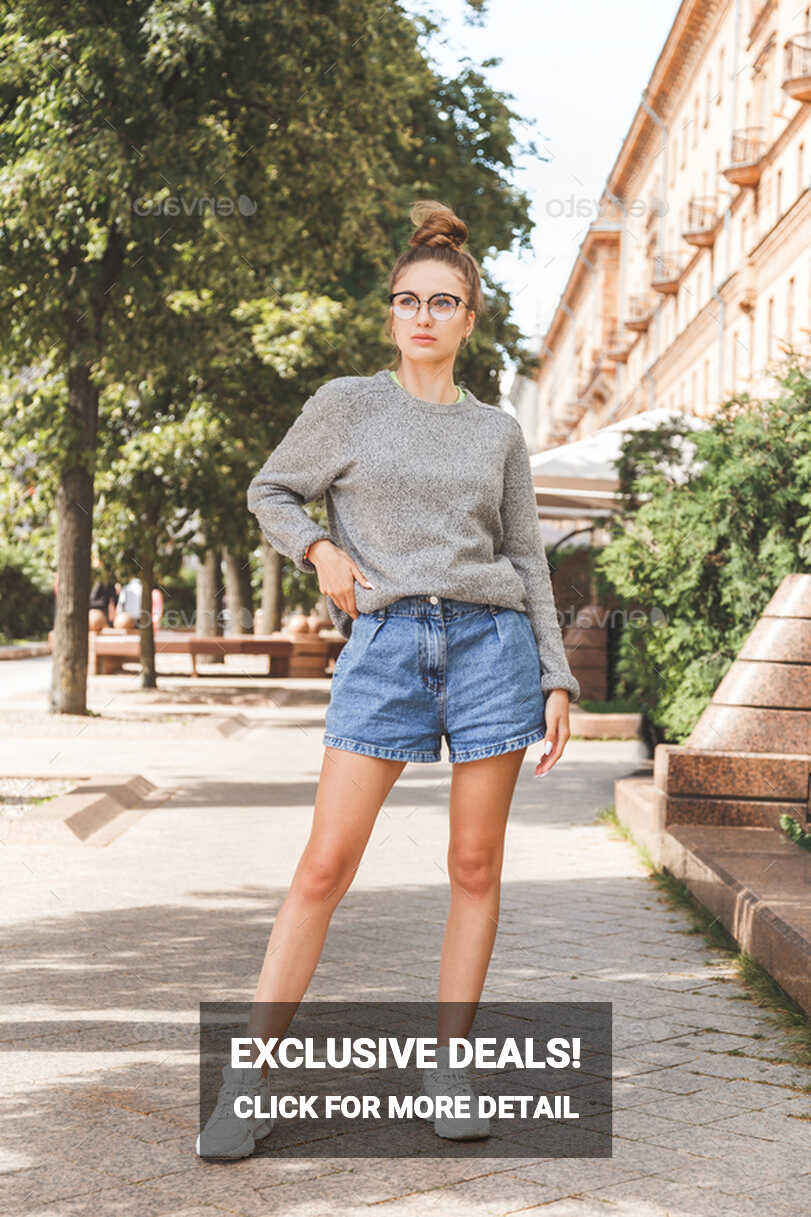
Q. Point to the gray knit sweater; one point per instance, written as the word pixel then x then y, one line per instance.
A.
pixel 427 499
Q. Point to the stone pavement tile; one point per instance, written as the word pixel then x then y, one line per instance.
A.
pixel 591 1206
pixel 667 1081
pixel 792 1192
pixel 22 1191
pixel 756 1095
pixel 794 1104
pixel 626 1095
pixel 745 1068
pixel 768 1127
pixel 484 1196
pixel 737 1168
pixel 747 1096
pixel 664 1198
pixel 638 1125
pixel 119 1156
pixel 694 1110
pixel 577 1175
pixel 105 1204
pixel 749 1154
pixel 748 1024
pixel 663 1055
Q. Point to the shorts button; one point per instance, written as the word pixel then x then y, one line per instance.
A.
pixel 434 599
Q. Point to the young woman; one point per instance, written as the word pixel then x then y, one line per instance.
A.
pixel 434 569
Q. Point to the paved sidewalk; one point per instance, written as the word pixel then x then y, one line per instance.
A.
pixel 109 950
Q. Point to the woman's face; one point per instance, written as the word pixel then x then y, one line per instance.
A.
pixel 423 338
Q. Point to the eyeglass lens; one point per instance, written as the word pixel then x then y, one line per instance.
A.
pixel 441 307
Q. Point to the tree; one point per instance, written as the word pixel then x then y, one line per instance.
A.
pixel 704 539
pixel 116 126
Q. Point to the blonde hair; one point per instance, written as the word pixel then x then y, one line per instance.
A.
pixel 440 236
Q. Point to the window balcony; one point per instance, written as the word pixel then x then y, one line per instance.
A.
pixel 745 161
pixel 618 346
pixel 640 310
pixel 666 273
pixel 797 66
pixel 702 222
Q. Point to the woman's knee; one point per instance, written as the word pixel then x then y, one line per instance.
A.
pixel 323 877
pixel 475 870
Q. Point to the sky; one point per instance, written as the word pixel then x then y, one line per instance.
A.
pixel 576 71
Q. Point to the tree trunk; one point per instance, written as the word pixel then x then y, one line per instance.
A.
pixel 145 628
pixel 68 694
pixel 239 611
pixel 247 594
pixel 206 615
pixel 271 617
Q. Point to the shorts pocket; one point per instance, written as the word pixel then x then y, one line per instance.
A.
pixel 367 626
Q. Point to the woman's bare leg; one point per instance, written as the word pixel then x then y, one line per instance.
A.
pixel 480 799
pixel 351 790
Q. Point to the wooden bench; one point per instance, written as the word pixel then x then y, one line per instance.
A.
pixel 288 654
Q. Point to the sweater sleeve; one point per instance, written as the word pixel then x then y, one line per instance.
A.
pixel 299 469
pixel 523 545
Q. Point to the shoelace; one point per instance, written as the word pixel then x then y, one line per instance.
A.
pixel 452 1081
pixel 225 1099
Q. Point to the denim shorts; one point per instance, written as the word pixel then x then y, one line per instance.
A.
pixel 426 667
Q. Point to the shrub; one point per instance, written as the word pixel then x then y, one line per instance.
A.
pixel 26 594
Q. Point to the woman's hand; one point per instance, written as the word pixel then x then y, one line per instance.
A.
pixel 556 712
pixel 337 574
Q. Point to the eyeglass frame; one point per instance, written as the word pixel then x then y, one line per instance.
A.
pixel 427 300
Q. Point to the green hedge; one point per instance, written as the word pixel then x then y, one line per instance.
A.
pixel 703 542
pixel 26 594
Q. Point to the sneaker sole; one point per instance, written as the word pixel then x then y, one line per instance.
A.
pixel 243 1150
pixel 462 1136
pixel 449 1136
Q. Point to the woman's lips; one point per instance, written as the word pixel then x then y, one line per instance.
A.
pixel 422 338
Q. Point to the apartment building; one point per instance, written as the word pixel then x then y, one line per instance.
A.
pixel 696 274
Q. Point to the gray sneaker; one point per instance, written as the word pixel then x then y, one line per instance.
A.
pixel 227 1135
pixel 441 1081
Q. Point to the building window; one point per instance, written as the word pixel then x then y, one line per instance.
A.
pixel 790 311
pixel 705 395
pixel 801 168
pixel 719 95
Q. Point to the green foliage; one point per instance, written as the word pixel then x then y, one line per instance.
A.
pixel 711 522
pixel 179 600
pixel 792 827
pixel 203 330
pixel 26 594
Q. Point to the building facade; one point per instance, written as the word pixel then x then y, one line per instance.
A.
pixel 694 280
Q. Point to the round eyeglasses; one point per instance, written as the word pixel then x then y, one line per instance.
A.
pixel 442 305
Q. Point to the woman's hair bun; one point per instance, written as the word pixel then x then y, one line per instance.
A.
pixel 437 225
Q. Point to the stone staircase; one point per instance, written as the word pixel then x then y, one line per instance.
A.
pixel 710 813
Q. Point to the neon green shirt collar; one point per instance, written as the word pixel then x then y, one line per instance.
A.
pixel 460 391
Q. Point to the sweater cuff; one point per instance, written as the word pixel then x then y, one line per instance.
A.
pixel 561 680
pixel 318 534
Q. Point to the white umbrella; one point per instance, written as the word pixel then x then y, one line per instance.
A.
pixel 579 480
